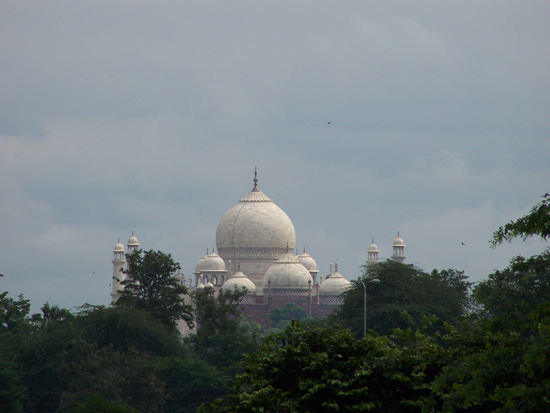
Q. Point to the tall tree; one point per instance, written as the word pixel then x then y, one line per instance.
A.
pixel 403 289
pixel 223 334
pixel 151 286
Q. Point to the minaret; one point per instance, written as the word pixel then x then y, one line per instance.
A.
pixel 398 250
pixel 372 253
pixel 119 261
pixel 132 244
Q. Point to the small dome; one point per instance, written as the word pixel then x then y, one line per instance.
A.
pixel 398 242
pixel 200 287
pixel 201 263
pixel 132 241
pixel 336 284
pixel 118 248
pixel 239 281
pixel 373 247
pixel 307 261
pixel 210 262
pixel 287 273
pixel 209 285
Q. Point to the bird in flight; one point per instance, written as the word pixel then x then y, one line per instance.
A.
pixel 328 123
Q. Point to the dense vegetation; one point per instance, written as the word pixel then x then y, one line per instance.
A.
pixel 434 343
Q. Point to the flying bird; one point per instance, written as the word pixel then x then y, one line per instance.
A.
pixel 463 243
pixel 328 123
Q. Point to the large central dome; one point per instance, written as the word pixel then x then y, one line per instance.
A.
pixel 255 226
pixel 255 229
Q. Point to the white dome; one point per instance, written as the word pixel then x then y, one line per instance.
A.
pixel 307 261
pixel 254 227
pixel 287 273
pixel 239 281
pixel 200 287
pixel 398 242
pixel 118 248
pixel 336 284
pixel 373 248
pixel 210 262
pixel 132 241
pixel 209 285
pixel 201 263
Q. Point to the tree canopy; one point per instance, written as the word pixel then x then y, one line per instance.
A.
pixel 328 370
pixel 536 222
pixel 223 334
pixel 404 289
pixel 151 286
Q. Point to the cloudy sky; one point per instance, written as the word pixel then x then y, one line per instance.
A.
pixel 121 116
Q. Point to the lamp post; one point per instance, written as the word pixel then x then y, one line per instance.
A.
pixel 374 280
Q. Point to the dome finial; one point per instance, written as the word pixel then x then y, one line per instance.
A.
pixel 255 179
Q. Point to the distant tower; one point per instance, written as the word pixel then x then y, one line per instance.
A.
pixel 119 261
pixel 398 250
pixel 372 253
pixel 132 244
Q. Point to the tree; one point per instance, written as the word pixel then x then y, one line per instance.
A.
pixel 403 288
pixel 94 404
pixel 511 294
pixel 151 286
pixel 190 382
pixel 127 328
pixel 13 313
pixel 111 352
pixel 223 335
pixel 498 367
pixel 130 377
pixel 12 390
pixel 501 357
pixel 50 316
pixel 537 222
pixel 327 369
pixel 282 317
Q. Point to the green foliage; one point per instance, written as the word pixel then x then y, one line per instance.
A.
pixel 498 368
pixel 51 316
pixel 511 294
pixel 537 222
pixel 281 317
pixel 126 328
pixel 128 377
pixel 223 335
pixel 151 286
pixel 190 382
pixel 13 313
pixel 98 404
pixel 105 351
pixel 326 369
pixel 12 391
pixel 404 289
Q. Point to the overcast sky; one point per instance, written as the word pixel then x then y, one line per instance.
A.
pixel 121 116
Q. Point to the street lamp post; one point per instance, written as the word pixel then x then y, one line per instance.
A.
pixel 374 280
